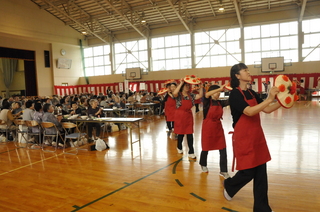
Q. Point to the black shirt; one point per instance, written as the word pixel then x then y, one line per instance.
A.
pixel 206 104
pixel 238 103
pixel 92 111
pixel 78 111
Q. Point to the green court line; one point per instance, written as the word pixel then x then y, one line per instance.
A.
pixel 175 166
pixel 11 150
pixel 123 187
pixel 179 183
pixel 200 198
pixel 227 209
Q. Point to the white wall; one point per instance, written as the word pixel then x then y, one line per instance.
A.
pixel 24 26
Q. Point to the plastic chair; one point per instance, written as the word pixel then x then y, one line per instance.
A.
pixel 46 126
pixel 67 126
pixel 30 125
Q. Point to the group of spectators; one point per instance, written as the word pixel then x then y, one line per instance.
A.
pixel 49 109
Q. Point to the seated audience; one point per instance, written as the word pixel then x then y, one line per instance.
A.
pixel 103 102
pixel 94 111
pixel 49 117
pixel 29 111
pixel 37 116
pixel 6 115
pixel 17 110
pixel 75 109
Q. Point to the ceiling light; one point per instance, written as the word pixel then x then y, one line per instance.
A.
pixel 221 8
pixel 84 32
pixel 143 20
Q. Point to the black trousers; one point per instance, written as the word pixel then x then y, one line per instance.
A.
pixel 197 107
pixel 90 128
pixel 223 159
pixel 170 125
pixel 260 186
pixel 190 142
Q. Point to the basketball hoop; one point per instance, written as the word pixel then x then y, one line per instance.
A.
pixel 272 69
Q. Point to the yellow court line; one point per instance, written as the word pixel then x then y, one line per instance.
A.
pixel 21 167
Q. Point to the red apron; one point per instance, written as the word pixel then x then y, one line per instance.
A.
pixel 183 118
pixel 249 144
pixel 212 136
pixel 170 108
pixel 197 101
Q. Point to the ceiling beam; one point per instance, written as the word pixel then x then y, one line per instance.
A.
pixel 109 13
pixel 155 6
pixel 125 18
pixel 89 18
pixel 214 14
pixel 237 7
pixel 303 8
pixel 71 18
pixel 56 3
pixel 179 16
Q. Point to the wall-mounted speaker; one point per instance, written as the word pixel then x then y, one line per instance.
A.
pixel 47 59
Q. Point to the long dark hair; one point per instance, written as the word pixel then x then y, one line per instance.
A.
pixel 207 102
pixel 5 104
pixel 235 70
pixel 184 83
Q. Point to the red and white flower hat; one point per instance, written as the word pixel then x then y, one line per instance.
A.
pixel 169 81
pixel 192 79
pixel 228 86
pixel 162 91
pixel 287 91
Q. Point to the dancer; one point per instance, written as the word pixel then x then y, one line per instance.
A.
pixel 212 135
pixel 249 144
pixel 197 102
pixel 183 120
pixel 170 106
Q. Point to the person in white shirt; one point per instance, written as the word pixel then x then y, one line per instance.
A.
pixel 137 96
pixel 103 102
pixel 6 115
pixel 254 86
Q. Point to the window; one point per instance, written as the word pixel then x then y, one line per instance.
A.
pixel 271 40
pixel 311 47
pixel 217 48
pixel 130 54
pixel 97 60
pixel 171 52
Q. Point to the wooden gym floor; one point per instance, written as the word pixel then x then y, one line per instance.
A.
pixel 157 178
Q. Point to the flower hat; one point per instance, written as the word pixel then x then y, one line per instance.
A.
pixel 192 79
pixel 287 91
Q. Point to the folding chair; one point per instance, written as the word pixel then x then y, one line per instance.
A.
pixel 31 125
pixel 131 109
pixel 46 126
pixel 4 128
pixel 139 108
pixel 22 130
pixel 67 126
